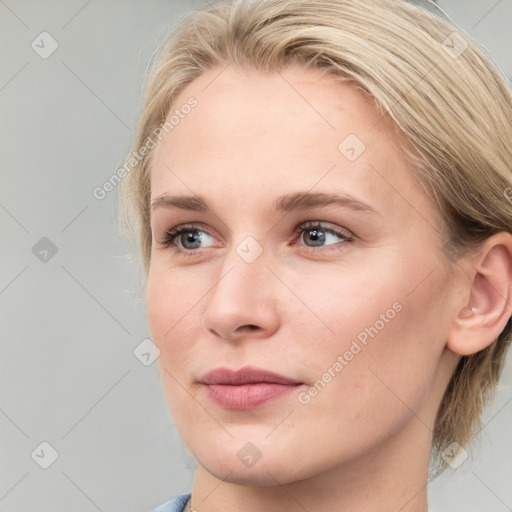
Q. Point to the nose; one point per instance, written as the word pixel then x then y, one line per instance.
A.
pixel 243 303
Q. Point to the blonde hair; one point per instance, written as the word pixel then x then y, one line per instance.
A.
pixel 442 92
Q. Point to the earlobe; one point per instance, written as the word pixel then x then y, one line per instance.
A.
pixel 480 320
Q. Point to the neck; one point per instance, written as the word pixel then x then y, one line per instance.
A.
pixel 387 478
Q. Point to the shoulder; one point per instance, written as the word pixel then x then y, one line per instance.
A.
pixel 175 504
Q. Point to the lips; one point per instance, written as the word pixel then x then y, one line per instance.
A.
pixel 247 387
pixel 245 375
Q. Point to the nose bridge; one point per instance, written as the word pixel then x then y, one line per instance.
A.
pixel 242 276
pixel 242 295
pixel 244 265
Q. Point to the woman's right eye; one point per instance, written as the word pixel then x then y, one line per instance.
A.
pixel 185 239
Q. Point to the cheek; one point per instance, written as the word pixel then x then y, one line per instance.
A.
pixel 174 325
pixel 170 306
pixel 386 344
pixel 341 306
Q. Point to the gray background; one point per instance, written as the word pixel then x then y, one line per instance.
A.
pixel 70 322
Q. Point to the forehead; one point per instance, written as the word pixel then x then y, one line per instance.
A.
pixel 253 133
pixel 299 104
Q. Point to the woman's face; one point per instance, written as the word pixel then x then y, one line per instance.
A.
pixel 315 256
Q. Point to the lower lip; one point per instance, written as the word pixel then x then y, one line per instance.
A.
pixel 247 396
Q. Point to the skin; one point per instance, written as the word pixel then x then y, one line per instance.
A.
pixel 363 442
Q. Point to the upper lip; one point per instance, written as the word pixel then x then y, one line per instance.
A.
pixel 245 375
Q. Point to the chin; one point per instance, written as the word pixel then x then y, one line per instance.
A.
pixel 265 474
pixel 261 463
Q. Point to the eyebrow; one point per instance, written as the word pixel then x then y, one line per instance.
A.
pixel 286 203
pixel 305 200
pixel 195 203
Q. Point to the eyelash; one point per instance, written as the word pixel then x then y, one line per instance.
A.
pixel 170 236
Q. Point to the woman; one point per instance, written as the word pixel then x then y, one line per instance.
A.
pixel 321 193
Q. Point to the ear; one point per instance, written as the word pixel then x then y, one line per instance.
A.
pixel 483 315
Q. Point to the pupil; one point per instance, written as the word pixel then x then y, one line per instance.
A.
pixel 317 237
pixel 192 238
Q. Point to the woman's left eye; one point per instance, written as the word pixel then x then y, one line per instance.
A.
pixel 317 235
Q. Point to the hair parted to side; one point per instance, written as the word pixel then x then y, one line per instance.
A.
pixel 443 93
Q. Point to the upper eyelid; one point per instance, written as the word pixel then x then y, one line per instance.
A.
pixel 187 227
pixel 324 225
pixel 338 231
pixel 193 226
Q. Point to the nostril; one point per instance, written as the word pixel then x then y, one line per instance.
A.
pixel 249 326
